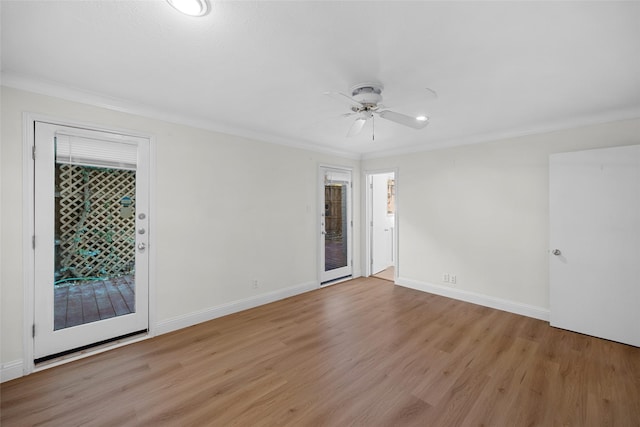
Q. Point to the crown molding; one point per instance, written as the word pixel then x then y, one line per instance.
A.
pixel 56 90
pixel 572 123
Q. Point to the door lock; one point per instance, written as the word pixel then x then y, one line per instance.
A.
pixel 556 252
pixel 141 246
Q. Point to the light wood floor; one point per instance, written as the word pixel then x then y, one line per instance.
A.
pixel 364 352
pixel 386 274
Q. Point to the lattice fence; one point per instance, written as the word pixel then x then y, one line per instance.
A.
pixel 335 210
pixel 95 228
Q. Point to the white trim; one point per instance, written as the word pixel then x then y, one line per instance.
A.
pixel 595 119
pixel 11 370
pixel 48 88
pixel 152 277
pixel 190 319
pixel 28 230
pixel 53 89
pixel 476 298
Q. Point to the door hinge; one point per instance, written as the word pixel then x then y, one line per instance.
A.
pixel 33 152
pixel 352 223
pixel 33 241
pixel 33 330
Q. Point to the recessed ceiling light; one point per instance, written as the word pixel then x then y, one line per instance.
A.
pixel 191 7
pixel 422 118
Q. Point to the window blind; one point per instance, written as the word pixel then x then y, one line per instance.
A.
pixel 335 176
pixel 75 150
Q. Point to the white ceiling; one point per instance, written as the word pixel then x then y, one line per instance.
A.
pixel 260 68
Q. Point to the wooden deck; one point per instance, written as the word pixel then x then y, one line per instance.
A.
pixel 85 302
pixel 334 257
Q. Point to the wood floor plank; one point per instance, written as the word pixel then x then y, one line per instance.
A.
pixel 363 353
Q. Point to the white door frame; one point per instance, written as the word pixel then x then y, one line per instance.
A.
pixel 368 203
pixel 320 228
pixel 28 231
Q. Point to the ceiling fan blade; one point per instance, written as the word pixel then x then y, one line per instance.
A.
pixel 339 96
pixel 431 93
pixel 403 119
pixel 356 127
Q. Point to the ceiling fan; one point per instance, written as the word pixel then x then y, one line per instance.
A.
pixel 365 103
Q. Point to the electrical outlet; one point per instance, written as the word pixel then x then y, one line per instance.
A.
pixel 255 284
pixel 445 277
pixel 453 279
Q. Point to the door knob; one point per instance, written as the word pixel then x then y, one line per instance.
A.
pixel 556 252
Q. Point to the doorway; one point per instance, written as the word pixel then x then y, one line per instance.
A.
pixel 336 225
pixel 381 219
pixel 91 234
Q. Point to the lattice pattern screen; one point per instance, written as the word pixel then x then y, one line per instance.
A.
pixel 335 210
pixel 95 230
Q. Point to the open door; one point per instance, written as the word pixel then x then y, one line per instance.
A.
pixel 594 261
pixel 382 222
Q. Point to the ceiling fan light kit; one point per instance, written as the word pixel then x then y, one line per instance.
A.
pixel 365 101
pixel 194 8
pixel 367 93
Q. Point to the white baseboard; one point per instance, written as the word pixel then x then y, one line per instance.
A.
pixel 475 298
pixel 207 314
pixel 11 370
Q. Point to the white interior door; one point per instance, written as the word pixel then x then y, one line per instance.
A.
pixel 335 224
pixel 381 223
pixel 91 230
pixel 595 243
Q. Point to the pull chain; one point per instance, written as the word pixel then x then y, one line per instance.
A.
pixel 373 128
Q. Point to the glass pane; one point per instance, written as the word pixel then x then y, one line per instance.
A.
pixel 94 244
pixel 335 216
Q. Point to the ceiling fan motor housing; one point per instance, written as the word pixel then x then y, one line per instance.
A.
pixel 367 93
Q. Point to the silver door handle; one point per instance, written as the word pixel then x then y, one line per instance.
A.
pixel 556 252
pixel 141 246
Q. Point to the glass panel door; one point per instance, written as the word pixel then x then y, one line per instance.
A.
pixel 94 275
pixel 335 223
pixel 91 235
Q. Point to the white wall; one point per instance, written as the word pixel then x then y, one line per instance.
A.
pixel 228 210
pixel 481 212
